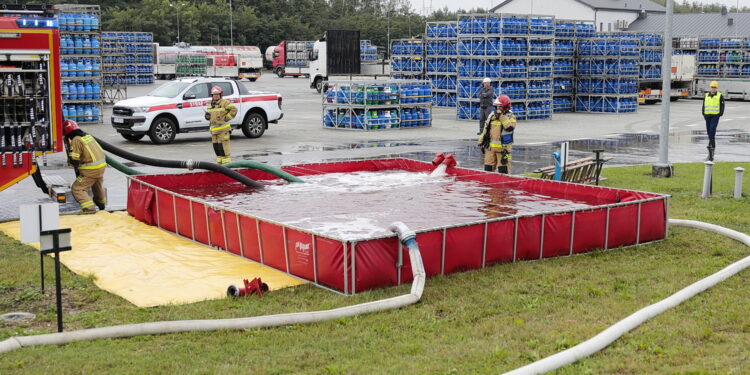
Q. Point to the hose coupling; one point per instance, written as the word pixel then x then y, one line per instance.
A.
pixel 404 233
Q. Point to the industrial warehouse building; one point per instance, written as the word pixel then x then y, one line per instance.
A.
pixel 608 15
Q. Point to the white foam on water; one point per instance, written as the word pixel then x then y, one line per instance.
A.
pixel 361 182
pixel 439 171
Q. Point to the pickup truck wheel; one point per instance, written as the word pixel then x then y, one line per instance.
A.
pixel 132 137
pixel 254 125
pixel 162 131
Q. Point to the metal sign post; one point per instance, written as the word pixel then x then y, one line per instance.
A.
pixel 36 218
pixel 56 241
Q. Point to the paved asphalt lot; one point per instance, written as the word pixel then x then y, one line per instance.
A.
pixel 299 138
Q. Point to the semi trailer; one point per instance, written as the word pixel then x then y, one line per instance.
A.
pixel 682 81
pixel 337 56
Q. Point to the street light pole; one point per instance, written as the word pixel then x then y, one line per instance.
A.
pixel 178 26
pixel 231 31
pixel 663 168
pixel 177 8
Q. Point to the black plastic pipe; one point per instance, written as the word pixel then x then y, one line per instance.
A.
pixel 188 164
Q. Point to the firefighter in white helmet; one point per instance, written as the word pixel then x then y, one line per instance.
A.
pixel 218 114
pixel 496 140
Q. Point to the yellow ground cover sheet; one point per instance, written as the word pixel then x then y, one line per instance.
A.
pixel 149 266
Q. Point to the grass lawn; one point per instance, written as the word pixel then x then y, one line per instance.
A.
pixel 478 322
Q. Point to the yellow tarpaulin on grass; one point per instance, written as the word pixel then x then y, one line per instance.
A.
pixel 149 266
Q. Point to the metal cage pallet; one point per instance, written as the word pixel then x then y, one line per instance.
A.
pixel 516 52
pixel 607 74
pixel 377 105
pixel 139 55
pixel 81 62
pixel 441 63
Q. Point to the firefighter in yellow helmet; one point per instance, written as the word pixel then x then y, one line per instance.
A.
pixel 218 114
pixel 713 109
pixel 87 158
pixel 496 140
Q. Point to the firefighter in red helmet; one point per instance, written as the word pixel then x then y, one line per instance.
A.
pixel 87 158
pixel 218 114
pixel 496 140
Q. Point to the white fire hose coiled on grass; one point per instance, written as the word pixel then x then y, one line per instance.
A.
pixel 406 236
pixel 609 335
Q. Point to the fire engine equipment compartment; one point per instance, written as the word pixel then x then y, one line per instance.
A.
pixel 30 117
pixel 333 230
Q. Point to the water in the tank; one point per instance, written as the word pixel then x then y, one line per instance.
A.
pixel 361 205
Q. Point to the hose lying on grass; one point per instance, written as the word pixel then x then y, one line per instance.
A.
pixel 406 236
pixel 609 335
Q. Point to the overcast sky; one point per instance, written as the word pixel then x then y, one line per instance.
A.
pixel 468 4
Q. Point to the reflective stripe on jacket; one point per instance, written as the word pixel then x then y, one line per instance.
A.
pixel 221 113
pixel 88 152
pixel 500 128
pixel 712 104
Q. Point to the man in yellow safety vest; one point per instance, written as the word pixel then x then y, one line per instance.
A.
pixel 87 157
pixel 218 114
pixel 496 140
pixel 713 109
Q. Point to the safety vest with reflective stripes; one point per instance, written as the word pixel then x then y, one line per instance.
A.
pixel 499 128
pixel 221 113
pixel 712 104
pixel 88 152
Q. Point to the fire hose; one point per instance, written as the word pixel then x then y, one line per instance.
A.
pixel 406 237
pixel 189 164
pixel 238 164
pixel 609 335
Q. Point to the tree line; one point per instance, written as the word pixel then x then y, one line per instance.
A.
pixel 265 23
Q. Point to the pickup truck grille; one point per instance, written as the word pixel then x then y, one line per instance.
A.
pixel 122 111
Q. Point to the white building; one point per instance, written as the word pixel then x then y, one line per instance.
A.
pixel 608 15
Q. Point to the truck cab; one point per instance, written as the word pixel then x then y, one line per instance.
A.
pixel 179 106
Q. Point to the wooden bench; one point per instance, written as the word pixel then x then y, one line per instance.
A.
pixel 582 171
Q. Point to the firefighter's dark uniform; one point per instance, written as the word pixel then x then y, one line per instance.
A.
pixel 91 165
pixel 220 113
pixel 498 151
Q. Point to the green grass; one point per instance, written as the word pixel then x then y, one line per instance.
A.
pixel 479 322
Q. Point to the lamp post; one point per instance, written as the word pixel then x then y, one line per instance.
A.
pixel 231 30
pixel 664 168
pixel 177 8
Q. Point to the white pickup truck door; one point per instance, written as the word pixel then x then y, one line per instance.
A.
pixel 193 106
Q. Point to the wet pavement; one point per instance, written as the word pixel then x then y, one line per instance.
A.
pixel 630 139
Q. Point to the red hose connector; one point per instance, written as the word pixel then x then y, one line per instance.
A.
pixel 255 286
pixel 449 161
pixel 438 159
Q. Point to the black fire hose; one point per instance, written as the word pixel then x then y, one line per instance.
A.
pixel 189 164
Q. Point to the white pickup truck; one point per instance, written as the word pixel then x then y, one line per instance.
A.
pixel 179 107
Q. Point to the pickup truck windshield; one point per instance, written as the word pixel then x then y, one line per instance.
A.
pixel 170 90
